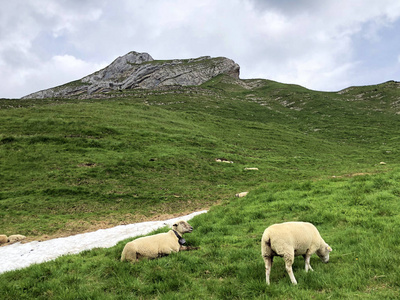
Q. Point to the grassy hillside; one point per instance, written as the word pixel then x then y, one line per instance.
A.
pixel 68 166
pixel 357 216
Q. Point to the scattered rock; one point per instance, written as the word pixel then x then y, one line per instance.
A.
pixel 382 163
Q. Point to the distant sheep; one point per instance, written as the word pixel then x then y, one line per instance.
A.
pixel 242 194
pixel 289 240
pixel 3 239
pixel 224 160
pixel 251 169
pixel 16 238
pixel 11 239
pixel 157 245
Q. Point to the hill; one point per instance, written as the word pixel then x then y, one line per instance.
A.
pixel 142 153
pixel 75 164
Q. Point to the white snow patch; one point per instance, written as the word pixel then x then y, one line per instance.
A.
pixel 17 256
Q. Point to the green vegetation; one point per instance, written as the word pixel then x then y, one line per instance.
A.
pixel 73 165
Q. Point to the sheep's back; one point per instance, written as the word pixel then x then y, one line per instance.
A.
pixel 297 235
pixel 158 244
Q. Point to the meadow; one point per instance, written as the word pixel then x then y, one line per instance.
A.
pixel 73 165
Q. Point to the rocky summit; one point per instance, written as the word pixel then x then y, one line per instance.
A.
pixel 140 70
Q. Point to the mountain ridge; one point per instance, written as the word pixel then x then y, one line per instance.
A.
pixel 139 70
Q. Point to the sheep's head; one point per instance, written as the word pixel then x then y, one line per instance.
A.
pixel 323 252
pixel 182 227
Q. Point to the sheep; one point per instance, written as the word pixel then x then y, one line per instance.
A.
pixel 16 238
pixel 289 240
pixel 157 245
pixel 3 239
pixel 224 160
pixel 242 194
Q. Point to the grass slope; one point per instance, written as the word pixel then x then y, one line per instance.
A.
pixel 358 216
pixel 74 165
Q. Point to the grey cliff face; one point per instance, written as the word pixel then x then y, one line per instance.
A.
pixel 140 70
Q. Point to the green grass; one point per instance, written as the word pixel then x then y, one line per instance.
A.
pixel 71 165
pixel 357 216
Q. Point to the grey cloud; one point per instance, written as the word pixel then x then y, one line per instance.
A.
pixel 288 6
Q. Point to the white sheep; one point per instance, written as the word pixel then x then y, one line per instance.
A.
pixel 224 160
pixel 16 238
pixel 3 239
pixel 242 194
pixel 289 240
pixel 157 245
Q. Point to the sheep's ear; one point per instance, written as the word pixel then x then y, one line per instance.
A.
pixel 329 248
pixel 175 225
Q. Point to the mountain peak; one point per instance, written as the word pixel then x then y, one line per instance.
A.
pixel 140 70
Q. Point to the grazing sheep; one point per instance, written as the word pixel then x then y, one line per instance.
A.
pixel 16 238
pixel 242 194
pixel 289 240
pixel 3 239
pixel 157 245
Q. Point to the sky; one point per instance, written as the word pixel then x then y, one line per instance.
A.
pixel 322 45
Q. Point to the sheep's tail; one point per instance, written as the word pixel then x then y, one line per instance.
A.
pixel 266 244
pixel 123 255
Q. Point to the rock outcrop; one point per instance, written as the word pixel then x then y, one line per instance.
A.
pixel 140 70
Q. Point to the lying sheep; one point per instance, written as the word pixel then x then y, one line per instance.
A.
pixel 157 245
pixel 3 239
pixel 289 240
pixel 16 238
pixel 224 160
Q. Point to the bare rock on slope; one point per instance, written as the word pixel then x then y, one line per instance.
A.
pixel 140 70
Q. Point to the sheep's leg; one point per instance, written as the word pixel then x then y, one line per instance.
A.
pixel 268 266
pixel 307 262
pixel 289 259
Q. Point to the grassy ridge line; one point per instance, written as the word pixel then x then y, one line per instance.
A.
pixel 357 216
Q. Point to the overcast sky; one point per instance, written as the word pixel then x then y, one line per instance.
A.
pixel 322 45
